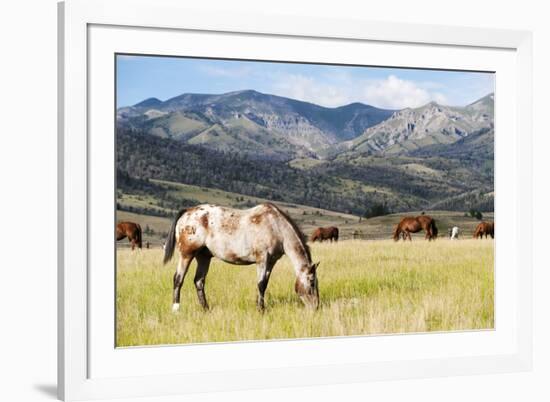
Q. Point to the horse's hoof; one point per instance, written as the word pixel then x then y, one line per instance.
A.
pixel 175 307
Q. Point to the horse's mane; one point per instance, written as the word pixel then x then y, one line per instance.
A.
pixel 298 231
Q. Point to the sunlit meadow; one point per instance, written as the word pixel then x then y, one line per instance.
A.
pixel 366 287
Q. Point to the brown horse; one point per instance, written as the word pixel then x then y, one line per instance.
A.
pixel 329 233
pixel 485 228
pixel 130 230
pixel 410 224
pixel 259 235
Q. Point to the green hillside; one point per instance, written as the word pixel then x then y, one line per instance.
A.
pixel 352 183
pixel 137 207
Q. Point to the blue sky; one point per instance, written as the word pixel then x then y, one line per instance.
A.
pixel 141 77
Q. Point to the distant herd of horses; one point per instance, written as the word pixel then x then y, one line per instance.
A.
pixel 260 235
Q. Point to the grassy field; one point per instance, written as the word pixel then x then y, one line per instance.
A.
pixel 366 287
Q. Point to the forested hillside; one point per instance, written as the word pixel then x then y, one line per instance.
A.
pixel 351 184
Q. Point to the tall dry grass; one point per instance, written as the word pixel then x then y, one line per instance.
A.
pixel 366 287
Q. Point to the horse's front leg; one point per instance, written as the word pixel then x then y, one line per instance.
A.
pixel 181 271
pixel 203 263
pixel 263 271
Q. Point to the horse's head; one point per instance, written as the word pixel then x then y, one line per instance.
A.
pixel 307 286
pixel 396 232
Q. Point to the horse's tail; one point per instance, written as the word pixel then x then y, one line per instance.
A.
pixel 336 234
pixel 396 232
pixel 433 228
pixel 139 236
pixel 171 240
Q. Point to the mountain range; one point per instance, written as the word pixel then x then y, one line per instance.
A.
pixel 350 156
pixel 250 122
pixel 411 129
pixel 274 127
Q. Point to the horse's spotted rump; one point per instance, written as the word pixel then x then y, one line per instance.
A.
pixel 186 244
pixel 204 220
pixel 188 229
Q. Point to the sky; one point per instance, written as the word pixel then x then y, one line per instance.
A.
pixel 142 77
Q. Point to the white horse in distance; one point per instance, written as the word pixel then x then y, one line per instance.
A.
pixel 454 233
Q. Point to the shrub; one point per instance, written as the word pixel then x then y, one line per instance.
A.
pixel 377 210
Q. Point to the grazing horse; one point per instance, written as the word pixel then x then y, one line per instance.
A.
pixel 454 233
pixel 410 224
pixel 259 235
pixel 130 230
pixel 329 233
pixel 485 228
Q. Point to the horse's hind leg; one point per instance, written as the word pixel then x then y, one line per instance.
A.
pixel 203 263
pixel 181 270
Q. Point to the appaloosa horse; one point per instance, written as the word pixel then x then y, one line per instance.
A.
pixel 485 228
pixel 410 224
pixel 130 230
pixel 328 233
pixel 260 235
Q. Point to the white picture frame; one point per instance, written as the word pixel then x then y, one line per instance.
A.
pixel 88 367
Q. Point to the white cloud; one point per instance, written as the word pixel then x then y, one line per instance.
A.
pixel 309 90
pixel 391 92
pixel 396 93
